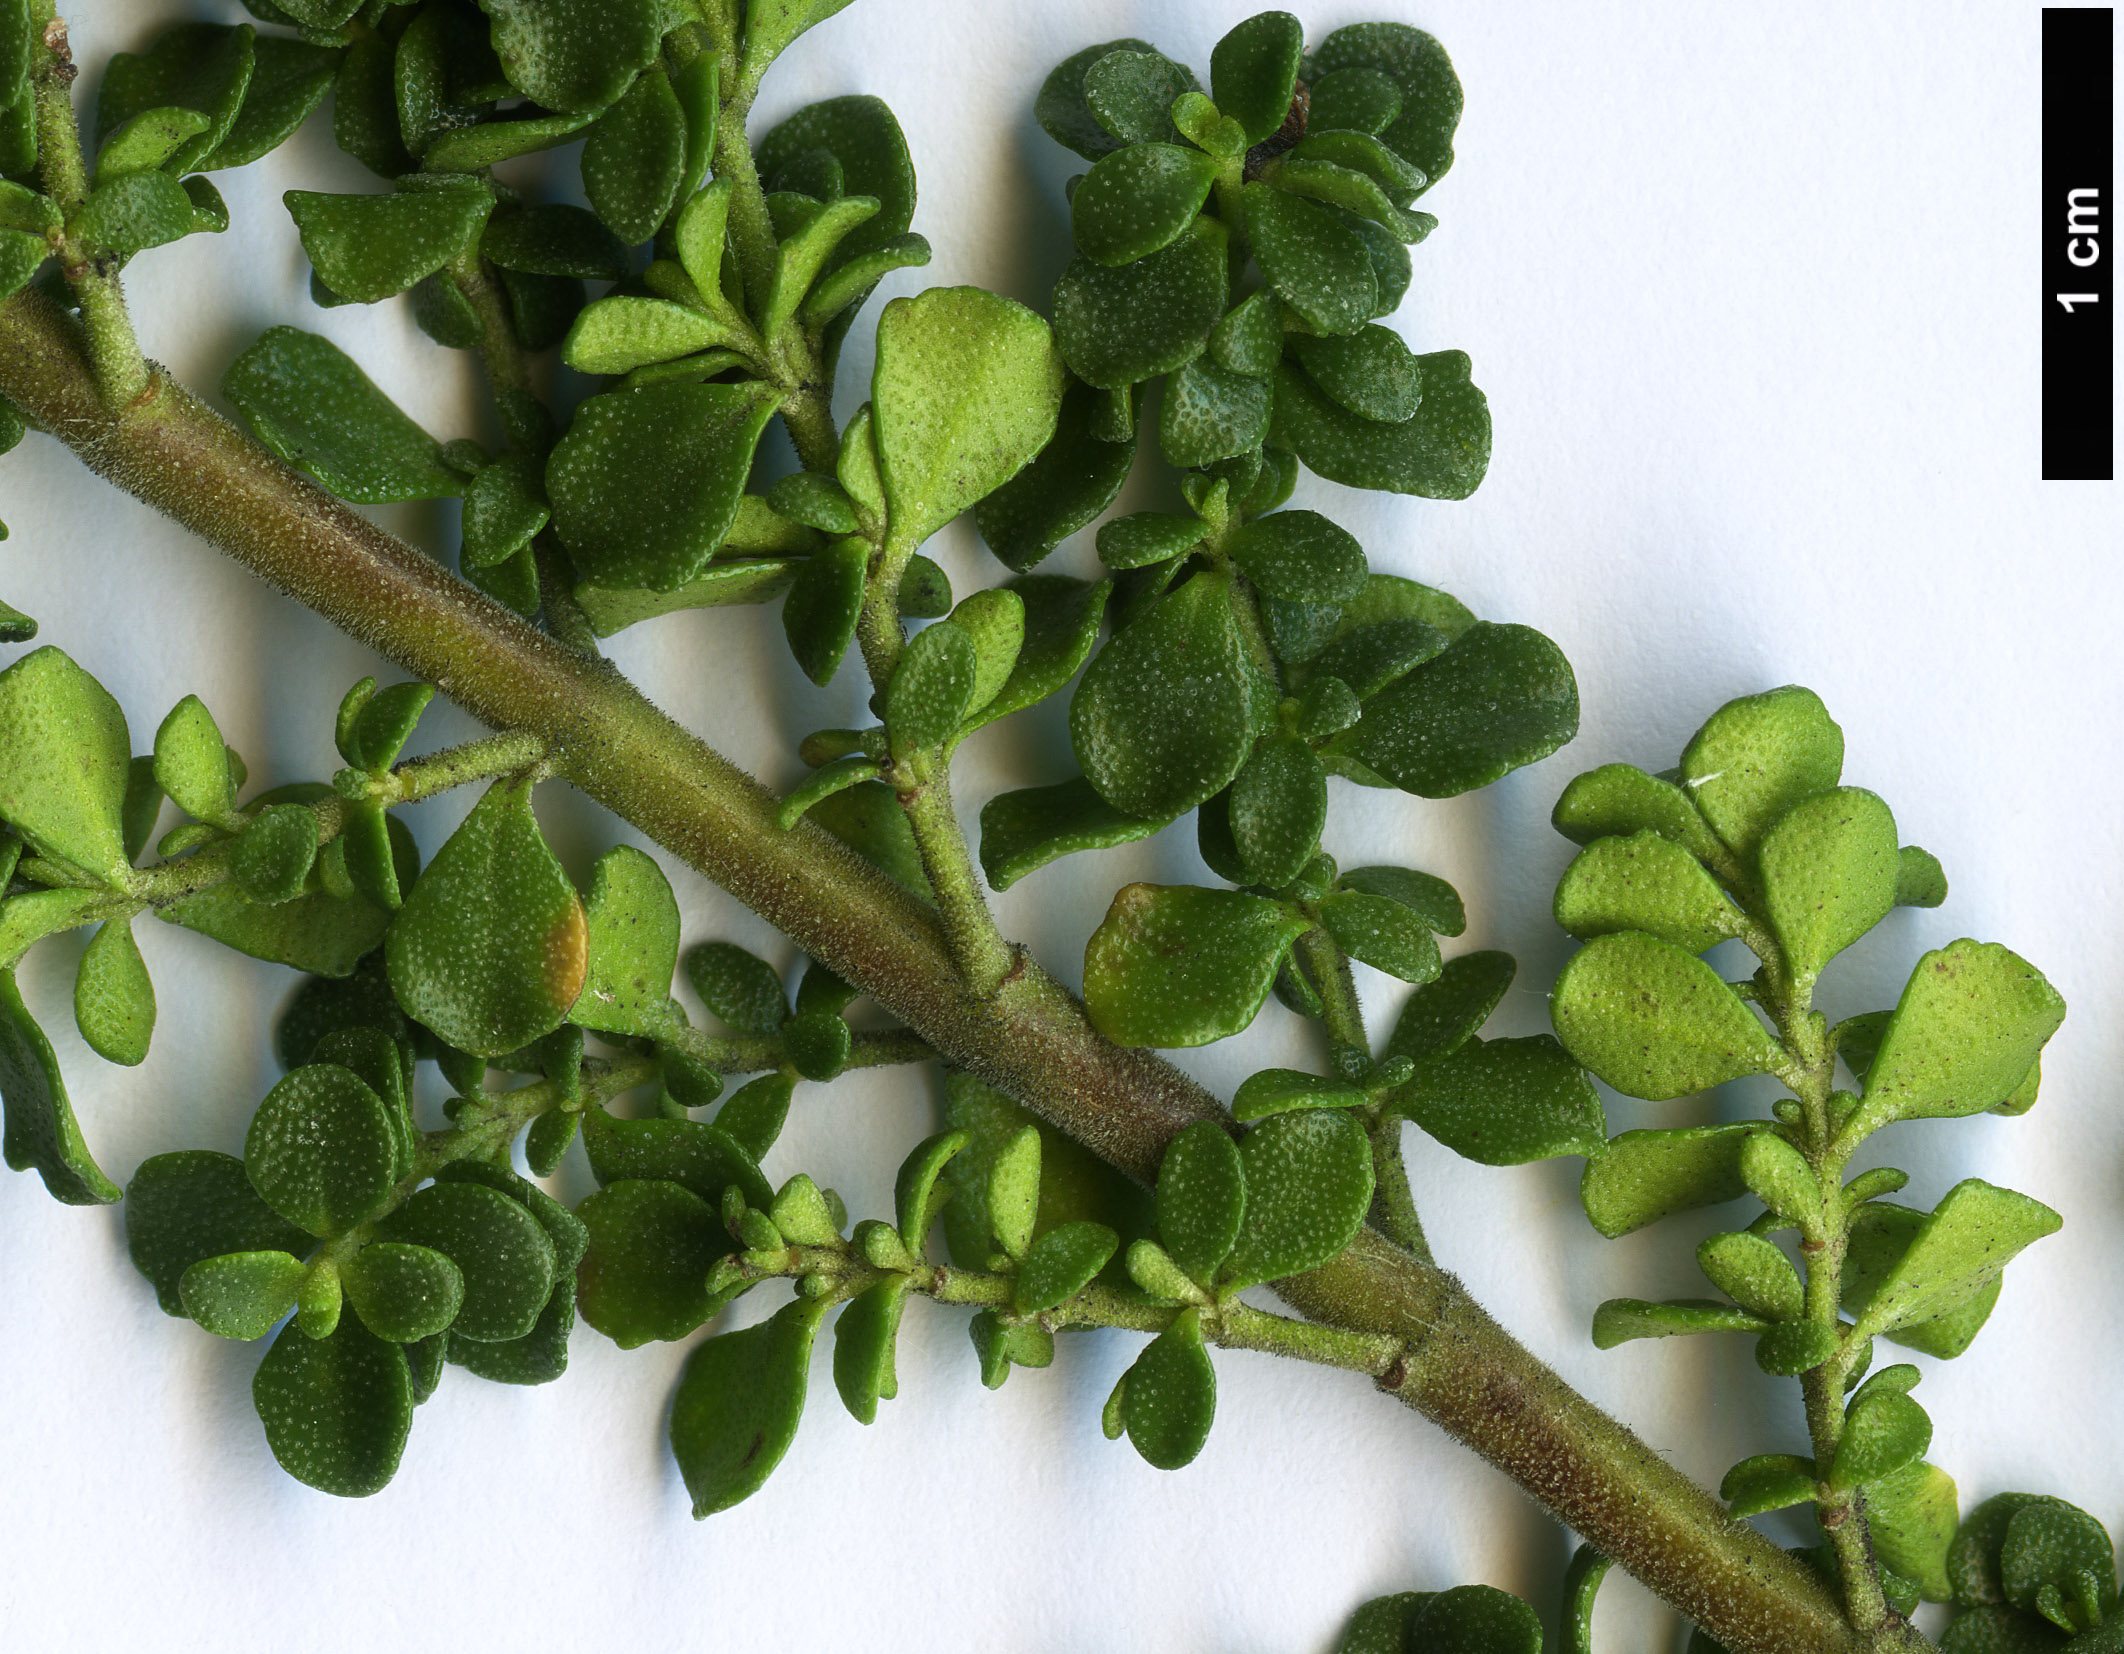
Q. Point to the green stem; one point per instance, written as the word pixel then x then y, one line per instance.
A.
pixel 765 1053
pixel 114 351
pixel 984 959
pixel 1032 1040
pixel 1394 1211
pixel 438 772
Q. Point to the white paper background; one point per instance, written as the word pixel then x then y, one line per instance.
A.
pixel 1753 293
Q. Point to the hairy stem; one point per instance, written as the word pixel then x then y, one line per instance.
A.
pixel 765 1053
pixel 983 958
pixel 1032 1039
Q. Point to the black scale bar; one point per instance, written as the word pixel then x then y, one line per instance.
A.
pixel 2080 246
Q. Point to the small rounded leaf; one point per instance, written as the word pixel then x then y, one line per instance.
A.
pixel 336 1410
pixel 1201 1199
pixel 1757 757
pixel 321 1151
pixel 652 1245
pixel 403 1293
pixel 241 1294
pixel 1138 200
pixel 738 1405
pixel 1656 1022
pixel 114 999
pixel 1648 883
pixel 1829 869
pixel 504 1254
pixel 863 1347
pixel 1171 1395
pixel 1062 1263
pixel 1174 965
pixel 1308 1187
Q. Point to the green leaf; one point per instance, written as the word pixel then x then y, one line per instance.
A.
pixel 146 140
pixel 1279 1090
pixel 1210 414
pixel 1300 556
pixel 738 1405
pixel 1431 899
pixel 1644 1176
pixel 504 1253
pixel 815 500
pixel 869 820
pixel 64 763
pixel 652 1246
pixel 930 691
pixel 1973 1559
pixel 817 1044
pixel 619 334
pixel 1656 1022
pixel 574 54
pixel 1620 1320
pixel 1756 1275
pixel 1381 1626
pixel 1920 881
pixel 1278 807
pixel 634 158
pixel 851 280
pixel 320 1150
pixel 1475 1619
pixel 646 482
pixel 241 1294
pixel 1201 1199
pixel 865 142
pixel 1769 1481
pixel 1970 1237
pixel 505 507
pixel 320 933
pixel 1130 94
pixel 1422 134
pixel 1883 1433
pixel 1911 1518
pixel 917 1197
pixel 1506 1102
pixel 1173 965
pixel 201 66
pixel 1756 758
pixel 1791 1348
pixel 825 601
pixel 1779 1176
pixel 1025 830
pixel 1314 176
pixel 1369 372
pixel 1369 658
pixel 740 988
pixel 552 239
pixel 1249 339
pixel 1441 452
pixel 368 247
pixel 2048 1543
pixel 22 254
pixel 310 404
pixel 336 1410
pixel 1443 1014
pixel 1139 199
pixel 35 914
pixel 1312 260
pixel 1965 1035
pixel 1499 698
pixel 271 861
pixel 1116 327
pixel 995 621
pixel 1254 69
pixel 863 1343
pixel 832 778
pixel 289 78
pixel 1381 933
pixel 632 921
pixel 1308 1186
pixel 196 1204
pixel 403 1293
pixel 966 391
pixel 1648 883
pixel 114 1001
pixel 1060 1264
pixel 1013 1193
pixel 1146 537
pixel 1162 719
pixel 705 1159
pixel 490 949
pixel 1170 1398
pixel 1829 868
pixel 192 763
pixel 1062 108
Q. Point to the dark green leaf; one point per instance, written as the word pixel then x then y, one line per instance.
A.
pixel 825 601
pixel 574 54
pixel 754 1114
pixel 1210 414
pixel 1443 1014
pixel 738 987
pixel 133 212
pixel 930 690
pixel 1648 883
pixel 633 927
pixel 646 482
pixel 202 66
pixel 1430 92
pixel 925 591
pixel 1646 1175
pixel 147 140
pixel 652 1245
pixel 1061 1264
pixel 738 1405
pixel 1439 453
pixel 321 933
pixel 866 144
pixel 321 1151
pixel 1062 109
pixel 634 156
pixel 1431 899
pixel 1308 1187
pixel 817 1044
pixel 2051 1543
pixel 1883 1433
pixel 1353 100
pixel 336 1410
pixel 1174 965
pixel 1769 1481
pixel 553 239
pixel 1656 1022
pixel 1500 697
pixel 1253 70
pixel 315 408
pixel 1278 805
pixel 1620 1320
pixel 368 247
pixel 289 78
pixel 1074 478
pixel 1505 1102
pixel 365 109
pixel 114 1001
pixel 403 1293
pixel 1201 1199
pixel 1139 199
pixel 1369 372
pixel 241 1294
pixel 1314 262
pixel 1475 1619
pixel 1118 326
pixel 490 949
pixel 815 500
pixel 1025 830
pixel 1131 93
pixel 1146 537
pixel 869 820
pixel 184 1207
pixel 1171 1395
pixel 1382 933
pixel 504 1253
pixel 271 861
pixel 705 1159
pixel 1279 1090
pixel 1381 1626
pixel 1302 557
pixel 40 1128
pixel 1162 719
